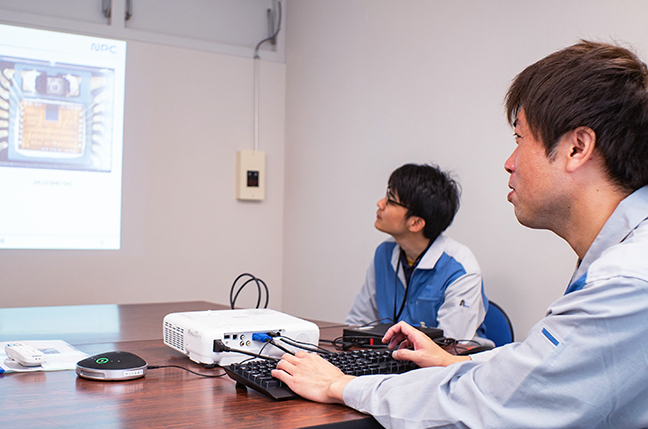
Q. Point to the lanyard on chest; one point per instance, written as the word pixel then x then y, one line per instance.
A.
pixel 402 257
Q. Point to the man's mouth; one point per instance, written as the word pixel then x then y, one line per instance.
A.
pixel 510 194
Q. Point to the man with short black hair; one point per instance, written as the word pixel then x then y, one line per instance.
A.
pixel 420 275
pixel 580 169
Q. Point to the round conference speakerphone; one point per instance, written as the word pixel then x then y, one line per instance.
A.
pixel 112 366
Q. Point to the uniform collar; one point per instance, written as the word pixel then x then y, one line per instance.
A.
pixel 431 257
pixel 626 218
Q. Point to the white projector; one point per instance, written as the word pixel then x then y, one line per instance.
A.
pixel 201 334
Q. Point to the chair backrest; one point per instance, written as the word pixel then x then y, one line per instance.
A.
pixel 498 326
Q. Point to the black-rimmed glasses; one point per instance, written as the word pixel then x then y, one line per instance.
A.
pixel 390 199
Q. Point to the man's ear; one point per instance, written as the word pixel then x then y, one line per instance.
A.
pixel 415 223
pixel 581 143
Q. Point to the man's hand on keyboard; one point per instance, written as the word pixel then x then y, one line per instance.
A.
pixel 425 353
pixel 312 377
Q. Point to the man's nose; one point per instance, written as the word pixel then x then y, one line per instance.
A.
pixel 509 165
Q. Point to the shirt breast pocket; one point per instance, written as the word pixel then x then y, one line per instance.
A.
pixel 426 307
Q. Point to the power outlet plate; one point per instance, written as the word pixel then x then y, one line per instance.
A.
pixel 250 175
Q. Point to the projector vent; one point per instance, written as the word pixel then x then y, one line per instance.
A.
pixel 174 336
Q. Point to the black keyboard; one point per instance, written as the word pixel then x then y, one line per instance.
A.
pixel 256 374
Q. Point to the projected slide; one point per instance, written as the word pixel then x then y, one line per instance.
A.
pixel 61 127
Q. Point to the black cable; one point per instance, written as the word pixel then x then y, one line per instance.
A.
pixel 258 283
pixel 258 291
pixel 303 345
pixel 219 347
pixel 374 322
pixel 280 347
pixel 186 369
pixel 444 342
pixel 257 356
pixel 460 342
pixel 252 354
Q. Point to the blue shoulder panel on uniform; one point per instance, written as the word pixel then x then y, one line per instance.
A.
pixel 577 285
pixel 385 279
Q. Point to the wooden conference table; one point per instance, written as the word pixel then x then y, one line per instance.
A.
pixel 164 398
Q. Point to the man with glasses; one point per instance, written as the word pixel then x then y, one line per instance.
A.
pixel 421 276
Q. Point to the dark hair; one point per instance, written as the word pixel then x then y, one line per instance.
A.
pixel 596 85
pixel 429 193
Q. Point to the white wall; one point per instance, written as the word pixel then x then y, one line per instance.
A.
pixel 189 108
pixel 373 84
pixel 367 86
pixel 184 234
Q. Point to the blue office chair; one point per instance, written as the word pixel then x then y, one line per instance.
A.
pixel 498 326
